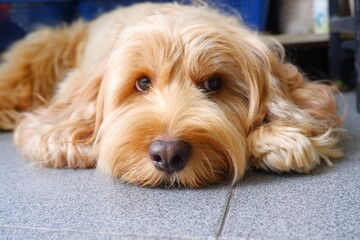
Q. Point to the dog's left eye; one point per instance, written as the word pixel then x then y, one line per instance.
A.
pixel 143 84
pixel 213 84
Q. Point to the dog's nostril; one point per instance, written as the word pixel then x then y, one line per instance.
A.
pixel 169 156
pixel 156 158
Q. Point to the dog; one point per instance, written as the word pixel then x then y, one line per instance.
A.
pixel 164 94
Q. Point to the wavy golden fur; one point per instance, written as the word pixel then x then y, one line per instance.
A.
pixel 77 85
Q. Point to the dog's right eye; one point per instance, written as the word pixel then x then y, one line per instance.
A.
pixel 213 84
pixel 143 84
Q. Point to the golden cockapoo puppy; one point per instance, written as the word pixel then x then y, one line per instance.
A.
pixel 164 94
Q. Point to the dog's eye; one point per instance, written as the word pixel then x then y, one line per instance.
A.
pixel 213 84
pixel 143 84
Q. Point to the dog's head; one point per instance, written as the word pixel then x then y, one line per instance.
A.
pixel 178 95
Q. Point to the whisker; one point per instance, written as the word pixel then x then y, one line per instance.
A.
pixel 209 164
pixel 128 172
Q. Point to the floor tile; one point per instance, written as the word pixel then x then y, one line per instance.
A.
pixel 322 205
pixel 55 203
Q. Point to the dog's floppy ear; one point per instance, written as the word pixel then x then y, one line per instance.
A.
pixel 300 126
pixel 90 97
pixel 254 62
pixel 315 98
pixel 293 97
pixel 274 85
pixel 64 131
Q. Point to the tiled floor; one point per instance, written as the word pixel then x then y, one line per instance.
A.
pixel 39 203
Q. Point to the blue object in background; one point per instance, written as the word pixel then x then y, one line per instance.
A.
pixel 89 9
pixel 18 17
pixel 253 12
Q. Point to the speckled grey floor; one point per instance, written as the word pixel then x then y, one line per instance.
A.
pixel 39 203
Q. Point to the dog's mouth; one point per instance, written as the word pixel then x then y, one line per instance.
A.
pixel 182 179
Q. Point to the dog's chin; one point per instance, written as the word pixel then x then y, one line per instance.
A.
pixel 218 147
pixel 187 177
pixel 135 166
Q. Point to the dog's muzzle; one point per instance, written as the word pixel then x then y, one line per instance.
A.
pixel 169 156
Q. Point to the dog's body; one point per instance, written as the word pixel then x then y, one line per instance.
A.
pixel 164 94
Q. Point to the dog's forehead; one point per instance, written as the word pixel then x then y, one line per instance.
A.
pixel 184 29
pixel 191 44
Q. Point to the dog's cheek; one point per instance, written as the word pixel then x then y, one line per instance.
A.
pixel 130 164
pixel 219 151
pixel 123 144
pixel 207 166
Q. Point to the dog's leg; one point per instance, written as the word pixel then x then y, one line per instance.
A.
pixel 282 146
pixel 30 69
pixel 63 133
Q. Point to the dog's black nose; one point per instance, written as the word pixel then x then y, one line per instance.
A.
pixel 169 156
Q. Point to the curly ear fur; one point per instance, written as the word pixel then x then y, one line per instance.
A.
pixel 315 98
pixel 32 67
pixel 300 126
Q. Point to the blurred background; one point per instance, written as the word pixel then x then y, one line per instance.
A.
pixel 319 35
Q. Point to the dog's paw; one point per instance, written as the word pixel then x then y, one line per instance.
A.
pixel 283 149
pixel 53 145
